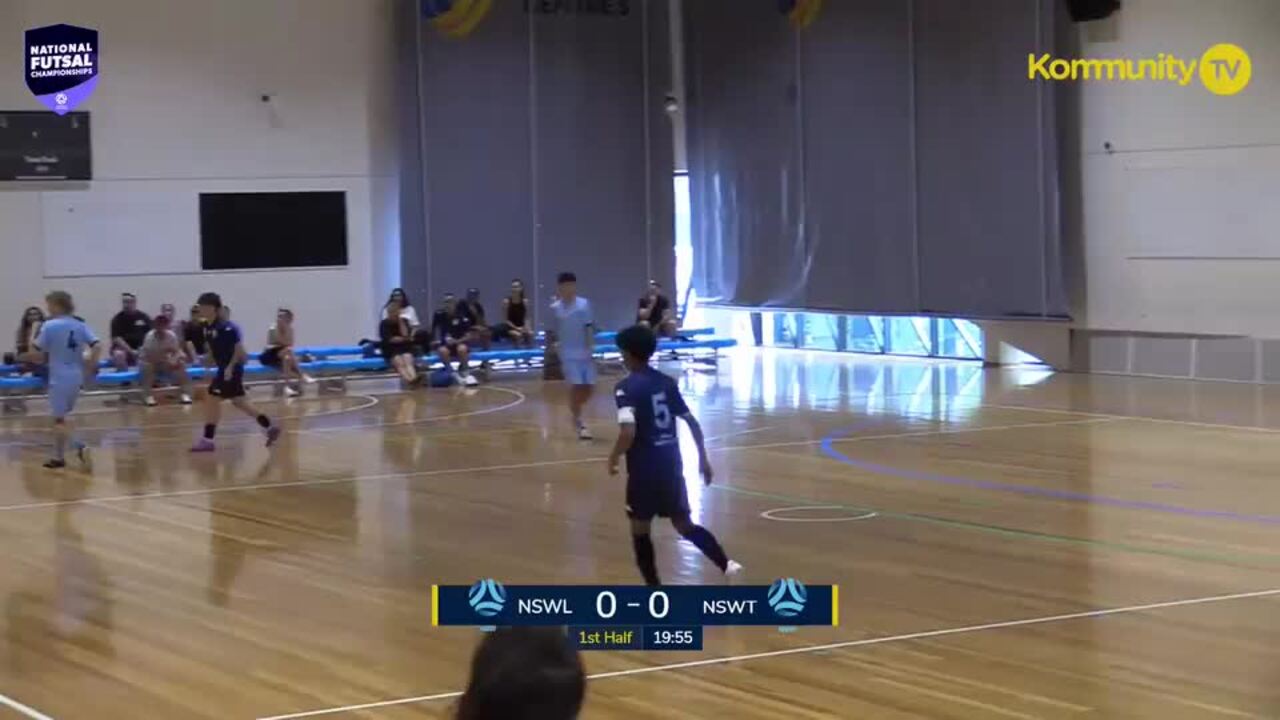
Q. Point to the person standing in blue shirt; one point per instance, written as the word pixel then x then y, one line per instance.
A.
pixel 227 354
pixel 575 331
pixel 649 402
pixel 71 351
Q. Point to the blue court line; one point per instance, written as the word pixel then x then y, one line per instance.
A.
pixel 828 449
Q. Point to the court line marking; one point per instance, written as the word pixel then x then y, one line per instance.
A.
pixel 770 514
pixel 1034 491
pixel 196 421
pixel 23 709
pixel 487 468
pixel 863 642
pixel 1139 418
pixel 520 398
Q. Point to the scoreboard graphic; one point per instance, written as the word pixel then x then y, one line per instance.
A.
pixel 625 617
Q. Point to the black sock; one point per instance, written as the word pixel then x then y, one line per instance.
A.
pixel 709 546
pixel 209 431
pixel 264 421
pixel 643 546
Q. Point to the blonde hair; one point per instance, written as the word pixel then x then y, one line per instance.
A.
pixel 62 299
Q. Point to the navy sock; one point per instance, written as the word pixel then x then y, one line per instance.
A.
pixel 709 546
pixel 264 421
pixel 643 546
pixel 210 431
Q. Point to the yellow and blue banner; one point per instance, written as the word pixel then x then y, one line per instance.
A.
pixel 456 18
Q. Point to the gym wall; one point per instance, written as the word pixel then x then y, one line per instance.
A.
pixel 1182 257
pixel 178 111
pixel 543 146
pixel 889 157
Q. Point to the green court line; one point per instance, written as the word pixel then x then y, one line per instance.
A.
pixel 1235 559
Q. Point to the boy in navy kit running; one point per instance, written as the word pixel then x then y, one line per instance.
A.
pixel 648 404
pixel 71 350
pixel 227 353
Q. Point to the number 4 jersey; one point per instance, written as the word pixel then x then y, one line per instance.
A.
pixel 652 402
pixel 64 339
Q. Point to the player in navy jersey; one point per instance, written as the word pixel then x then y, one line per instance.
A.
pixel 225 352
pixel 649 403
pixel 71 351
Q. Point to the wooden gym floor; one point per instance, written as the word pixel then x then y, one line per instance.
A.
pixel 1008 545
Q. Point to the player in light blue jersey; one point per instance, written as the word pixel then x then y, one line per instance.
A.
pixel 70 349
pixel 575 336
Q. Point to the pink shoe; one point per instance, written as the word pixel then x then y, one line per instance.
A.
pixel 273 434
pixel 203 445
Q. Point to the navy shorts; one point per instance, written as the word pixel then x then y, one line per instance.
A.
pixel 270 357
pixel 648 497
pixel 228 385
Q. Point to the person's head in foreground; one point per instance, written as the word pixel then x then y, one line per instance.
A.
pixel 638 344
pixel 524 673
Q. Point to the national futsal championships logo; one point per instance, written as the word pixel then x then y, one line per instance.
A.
pixel 787 597
pixel 61 66
pixel 456 18
pixel 487 597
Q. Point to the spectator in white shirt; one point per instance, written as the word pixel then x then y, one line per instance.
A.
pixel 161 356
pixel 407 313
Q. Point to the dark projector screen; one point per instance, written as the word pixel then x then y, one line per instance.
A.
pixel 242 231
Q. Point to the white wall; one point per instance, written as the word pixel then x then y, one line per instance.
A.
pixel 178 109
pixel 1182 223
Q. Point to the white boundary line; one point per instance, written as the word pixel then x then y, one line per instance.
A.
pixel 1138 418
pixel 830 646
pixel 769 514
pixel 491 468
pixel 23 709
pixel 195 422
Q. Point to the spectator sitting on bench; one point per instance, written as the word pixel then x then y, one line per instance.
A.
pixel 516 325
pixel 128 330
pixel 161 357
pixel 397 344
pixel 480 334
pixel 24 342
pixel 279 352
pixel 655 312
pixel 449 331
pixel 193 342
pixel 406 309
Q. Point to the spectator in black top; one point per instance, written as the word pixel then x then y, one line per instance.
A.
pixel 129 329
pixel 655 312
pixel 449 331
pixel 524 673
pixel 397 343
pixel 516 325
pixel 480 334
pixel 193 341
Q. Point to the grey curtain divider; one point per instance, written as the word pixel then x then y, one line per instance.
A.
pixel 892 157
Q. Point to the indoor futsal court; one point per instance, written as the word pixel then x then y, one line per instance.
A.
pixel 639 359
pixel 1007 545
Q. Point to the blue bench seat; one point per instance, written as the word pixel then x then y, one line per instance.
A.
pixel 362 364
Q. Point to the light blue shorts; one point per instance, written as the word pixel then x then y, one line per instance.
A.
pixel 62 398
pixel 579 372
